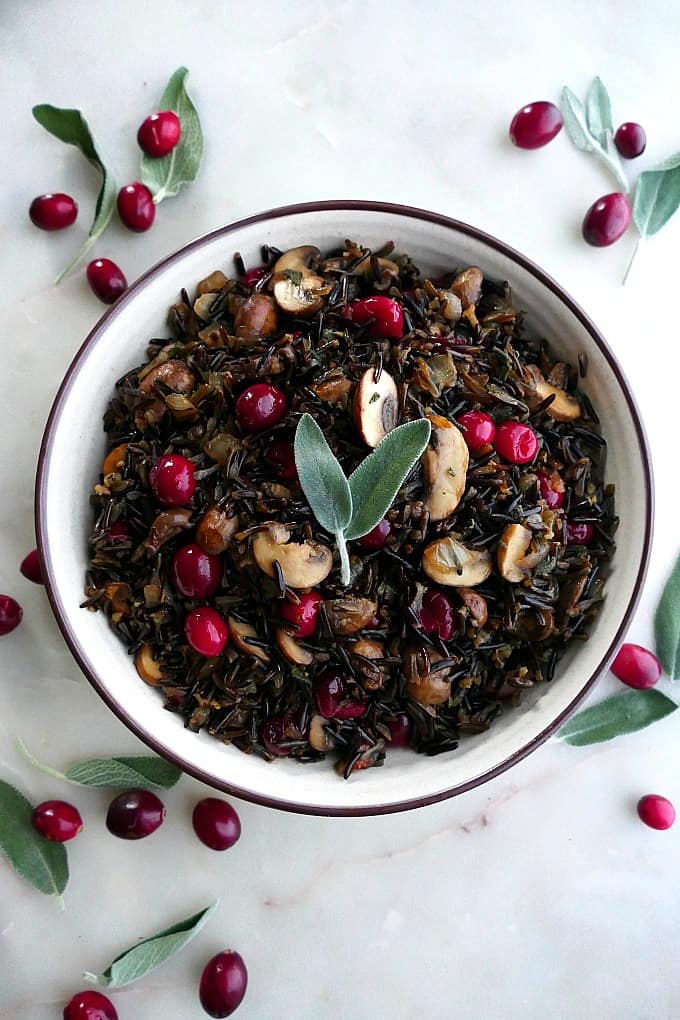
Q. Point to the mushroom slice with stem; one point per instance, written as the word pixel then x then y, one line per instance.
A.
pixel 147 667
pixel 240 632
pixel 445 465
pixel 303 564
pixel 447 561
pixel 297 288
pixel 562 408
pixel 375 406
pixel 292 649
pixel 515 562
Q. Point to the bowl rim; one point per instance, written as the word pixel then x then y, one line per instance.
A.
pixel 70 637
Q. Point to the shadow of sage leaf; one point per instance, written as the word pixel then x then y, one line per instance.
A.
pixel 622 713
pixel 41 862
pixel 667 625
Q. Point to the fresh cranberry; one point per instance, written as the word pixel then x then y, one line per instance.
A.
pixel 548 487
pixel 134 814
pixel 106 280
pixel 438 614
pixel 401 728
pixel 206 631
pixel 136 207
pixel 636 666
pixel 172 480
pixel 118 532
pixel 253 276
pixel 329 691
pixel 274 737
pixel 376 538
pixel 606 220
pixel 304 615
pixel 516 442
pixel 56 820
pixel 216 823
pixel 10 614
pixel 655 811
pixel 282 456
pixel 631 140
pixel 31 569
pixel 159 133
pixel 579 533
pixel 259 407
pixel 90 1005
pixel 478 429
pixel 535 125
pixel 223 984
pixel 53 212
pixel 388 315
pixel 195 573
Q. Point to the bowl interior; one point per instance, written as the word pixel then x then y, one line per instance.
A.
pixel 74 447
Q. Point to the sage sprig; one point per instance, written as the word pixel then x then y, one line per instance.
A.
pixel 622 713
pixel 41 862
pixel 350 508
pixel 591 129
pixel 150 953
pixel 667 625
pixel 71 127
pixel 141 772
pixel 164 177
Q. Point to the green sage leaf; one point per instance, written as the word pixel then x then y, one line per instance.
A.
pixel 622 713
pixel 142 772
pixel 71 127
pixel 164 177
pixel 41 862
pixel 599 113
pixel 575 121
pixel 321 477
pixel 657 196
pixel 667 625
pixel 378 478
pixel 150 953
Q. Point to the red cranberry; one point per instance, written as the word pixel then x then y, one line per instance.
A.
pixel 206 631
pixel 30 568
pixel 159 133
pixel 655 811
pixel 90 1005
pixel 10 614
pixel 401 728
pixel 282 456
pixel 195 573
pixel 223 984
pixel 606 220
pixel 304 616
pixel 53 212
pixel 478 429
pixel 579 533
pixel 56 820
pixel 253 276
pixel 274 736
pixel 259 407
pixel 535 125
pixel 172 480
pixel 631 140
pixel 134 814
pixel 551 489
pixel 388 315
pixel 106 280
pixel 376 538
pixel 329 690
pixel 438 614
pixel 636 666
pixel 136 207
pixel 216 823
pixel 516 442
pixel 118 532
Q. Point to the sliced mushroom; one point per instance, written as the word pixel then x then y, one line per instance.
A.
pixel 166 525
pixel 475 605
pixel 147 667
pixel 468 286
pixel 424 685
pixel 562 408
pixel 319 737
pixel 450 305
pixel 203 306
pixel 215 530
pixel 298 290
pixel 350 614
pixel 515 562
pixel 447 561
pixel 292 649
pixel 373 673
pixel 114 461
pixel 240 632
pixel 445 464
pixel 174 374
pixel 375 406
pixel 214 282
pixel 256 317
pixel 303 564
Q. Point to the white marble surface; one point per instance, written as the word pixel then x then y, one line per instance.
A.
pixel 538 895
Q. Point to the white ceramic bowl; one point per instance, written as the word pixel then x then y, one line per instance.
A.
pixel 74 444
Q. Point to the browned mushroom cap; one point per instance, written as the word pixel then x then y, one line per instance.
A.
pixel 350 614
pixel 215 530
pixel 375 406
pixel 303 564
pixel 476 606
pixel 468 286
pixel 297 288
pixel 515 562
pixel 422 684
pixel 174 374
pixel 147 667
pixel 166 525
pixel 240 632
pixel 256 317
pixel 445 464
pixel 297 259
pixel 447 561
pixel 562 408
pixel 292 649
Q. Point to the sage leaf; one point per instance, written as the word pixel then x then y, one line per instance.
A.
pixel 578 121
pixel 71 127
pixel 622 713
pixel 141 772
pixel 148 954
pixel 657 196
pixel 165 176
pixel 321 477
pixel 575 121
pixel 667 625
pixel 378 478
pixel 599 113
pixel 41 862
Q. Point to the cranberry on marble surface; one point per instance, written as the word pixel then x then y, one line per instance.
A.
pixel 53 212
pixel 535 125
pixel 223 984
pixel 134 814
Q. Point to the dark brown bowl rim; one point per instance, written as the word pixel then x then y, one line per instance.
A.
pixel 53 421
